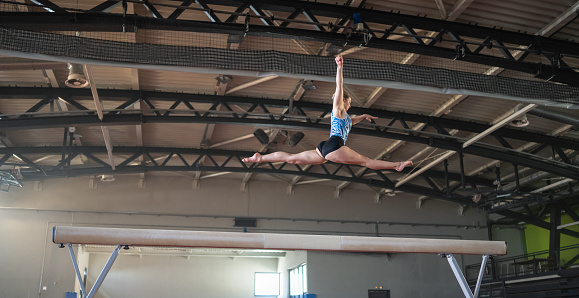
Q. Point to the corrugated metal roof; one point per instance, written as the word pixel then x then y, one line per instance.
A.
pixel 529 16
pixel 515 15
pixel 168 81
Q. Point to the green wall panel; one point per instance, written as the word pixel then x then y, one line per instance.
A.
pixel 537 239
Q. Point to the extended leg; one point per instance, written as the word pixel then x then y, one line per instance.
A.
pixel 349 156
pixel 310 157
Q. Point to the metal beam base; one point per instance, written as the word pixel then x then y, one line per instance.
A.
pixel 462 280
pixel 102 275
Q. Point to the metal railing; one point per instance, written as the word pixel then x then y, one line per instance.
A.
pixel 526 265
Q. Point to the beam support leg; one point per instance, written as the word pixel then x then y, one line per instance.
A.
pixel 459 276
pixel 83 294
pixel 104 273
pixel 481 273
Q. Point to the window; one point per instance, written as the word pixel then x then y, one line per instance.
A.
pixel 298 281
pixel 266 284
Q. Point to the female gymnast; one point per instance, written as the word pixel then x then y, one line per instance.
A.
pixel 334 149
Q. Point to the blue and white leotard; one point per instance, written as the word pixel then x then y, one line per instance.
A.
pixel 341 127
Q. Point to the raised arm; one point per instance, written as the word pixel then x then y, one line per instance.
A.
pixel 338 100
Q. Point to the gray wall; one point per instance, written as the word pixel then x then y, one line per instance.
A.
pixel 405 275
pixel 28 256
pixel 514 238
pixel 170 276
pixel 30 261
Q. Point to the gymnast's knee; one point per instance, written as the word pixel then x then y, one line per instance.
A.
pixel 367 163
pixel 291 159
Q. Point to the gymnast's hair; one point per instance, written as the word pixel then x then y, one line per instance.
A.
pixel 345 96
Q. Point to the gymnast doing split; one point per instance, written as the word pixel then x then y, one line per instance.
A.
pixel 334 148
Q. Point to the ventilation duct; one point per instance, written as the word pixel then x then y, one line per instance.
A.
pixel 520 121
pixel 76 77
pixel 527 180
pixel 533 178
pixel 107 178
pixel 261 136
pixel 296 138
pixel 547 114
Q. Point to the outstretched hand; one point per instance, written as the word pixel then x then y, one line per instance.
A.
pixel 339 61
pixel 357 119
pixel 368 117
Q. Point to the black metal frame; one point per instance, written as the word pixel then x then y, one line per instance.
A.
pixel 455 34
pixel 556 203
pixel 555 206
pixel 309 116
pixel 189 160
pixel 554 50
pixel 536 221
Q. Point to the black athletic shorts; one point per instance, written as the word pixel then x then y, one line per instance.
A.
pixel 332 144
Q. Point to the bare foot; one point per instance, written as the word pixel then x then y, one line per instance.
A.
pixel 401 165
pixel 255 158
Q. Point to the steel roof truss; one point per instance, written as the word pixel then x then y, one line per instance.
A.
pixel 48 6
pixel 190 107
pixel 568 210
pixel 266 20
pixel 233 17
pixel 312 18
pixel 151 106
pixel 561 154
pixel 431 183
pixel 38 106
pixel 106 6
pixel 29 120
pixel 476 149
pixel 535 221
pixel 212 160
pixel 521 41
pixel 177 12
pixel 97 160
pixel 502 141
pixel 413 33
pixel 167 159
pixel 500 37
pixel 130 159
pixel 123 116
pixel 73 103
pixel 151 9
pixel 183 159
pixel 208 11
pixel 342 173
pixel 66 162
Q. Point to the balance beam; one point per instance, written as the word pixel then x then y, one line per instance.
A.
pixel 181 238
